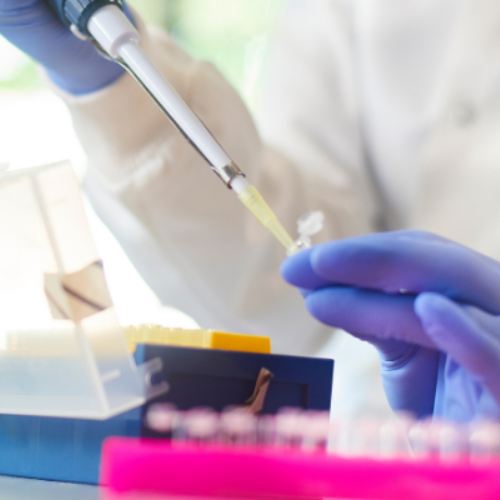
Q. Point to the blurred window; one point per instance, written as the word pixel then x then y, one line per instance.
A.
pixel 233 34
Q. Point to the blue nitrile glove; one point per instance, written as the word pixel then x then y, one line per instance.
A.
pixel 427 304
pixel 72 64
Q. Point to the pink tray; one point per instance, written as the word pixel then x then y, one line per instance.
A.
pixel 215 471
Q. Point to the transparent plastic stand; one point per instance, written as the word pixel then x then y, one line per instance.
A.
pixel 62 350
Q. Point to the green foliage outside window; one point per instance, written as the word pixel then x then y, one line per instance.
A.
pixel 233 34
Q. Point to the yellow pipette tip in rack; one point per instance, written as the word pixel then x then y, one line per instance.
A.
pixel 252 199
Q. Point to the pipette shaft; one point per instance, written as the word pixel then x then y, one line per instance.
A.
pixel 120 40
pixel 114 35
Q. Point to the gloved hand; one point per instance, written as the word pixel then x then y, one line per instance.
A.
pixel 428 305
pixel 72 64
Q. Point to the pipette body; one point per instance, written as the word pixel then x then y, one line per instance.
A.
pixel 105 23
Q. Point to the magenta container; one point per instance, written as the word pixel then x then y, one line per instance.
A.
pixel 217 471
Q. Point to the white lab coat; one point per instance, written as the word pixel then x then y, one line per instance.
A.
pixel 383 114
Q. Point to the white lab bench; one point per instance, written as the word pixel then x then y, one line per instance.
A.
pixel 15 488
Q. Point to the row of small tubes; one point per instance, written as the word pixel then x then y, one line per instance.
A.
pixel 312 430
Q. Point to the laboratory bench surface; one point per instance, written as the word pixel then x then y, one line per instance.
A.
pixel 15 488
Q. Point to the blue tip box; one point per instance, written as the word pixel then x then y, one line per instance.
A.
pixel 69 449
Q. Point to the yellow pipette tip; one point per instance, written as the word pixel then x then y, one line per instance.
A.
pixel 252 199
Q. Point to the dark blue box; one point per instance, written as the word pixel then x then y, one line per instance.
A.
pixel 69 449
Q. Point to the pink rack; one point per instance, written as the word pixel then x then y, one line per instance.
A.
pixel 184 469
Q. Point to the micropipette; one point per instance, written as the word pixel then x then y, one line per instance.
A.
pixel 106 25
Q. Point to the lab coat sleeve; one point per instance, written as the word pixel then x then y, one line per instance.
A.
pixel 227 261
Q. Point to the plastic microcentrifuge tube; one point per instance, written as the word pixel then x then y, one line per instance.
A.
pixel 201 425
pixel 238 426
pixel 290 423
pixel 162 417
pixel 419 438
pixel 307 225
pixel 484 442
pixel 316 430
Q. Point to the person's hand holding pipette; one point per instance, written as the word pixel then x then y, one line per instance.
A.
pixel 72 64
pixel 431 307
